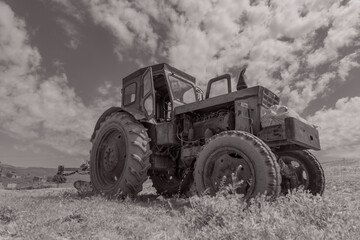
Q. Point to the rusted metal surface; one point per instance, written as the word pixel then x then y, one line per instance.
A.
pixel 165 133
pixel 243 121
pixel 217 102
pixel 302 134
pixel 216 122
pixel 292 135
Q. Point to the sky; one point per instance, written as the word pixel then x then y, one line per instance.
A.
pixel 62 61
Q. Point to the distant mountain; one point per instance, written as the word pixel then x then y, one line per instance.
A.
pixel 29 172
pixel 27 175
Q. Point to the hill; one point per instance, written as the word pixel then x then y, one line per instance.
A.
pixel 30 171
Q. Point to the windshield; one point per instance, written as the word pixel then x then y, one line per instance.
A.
pixel 182 91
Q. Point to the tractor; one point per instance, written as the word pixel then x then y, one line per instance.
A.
pixel 190 142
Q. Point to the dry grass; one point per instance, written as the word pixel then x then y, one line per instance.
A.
pixel 61 214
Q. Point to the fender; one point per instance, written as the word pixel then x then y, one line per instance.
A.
pixel 138 115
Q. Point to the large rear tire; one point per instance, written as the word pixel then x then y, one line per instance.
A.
pixel 303 169
pixel 119 158
pixel 243 155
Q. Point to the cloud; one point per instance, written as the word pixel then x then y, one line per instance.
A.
pixel 130 26
pixel 72 8
pixel 339 128
pixel 26 148
pixel 344 32
pixel 71 31
pixel 45 111
pixel 284 43
pixel 298 49
pixel 347 63
pixel 105 88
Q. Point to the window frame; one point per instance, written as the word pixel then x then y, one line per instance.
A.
pixel 182 80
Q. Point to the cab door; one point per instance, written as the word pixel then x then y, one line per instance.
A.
pixel 148 95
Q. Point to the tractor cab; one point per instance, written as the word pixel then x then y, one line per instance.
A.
pixel 155 91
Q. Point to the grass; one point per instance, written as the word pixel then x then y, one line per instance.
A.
pixel 62 214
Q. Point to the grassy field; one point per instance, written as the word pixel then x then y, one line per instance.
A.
pixel 62 214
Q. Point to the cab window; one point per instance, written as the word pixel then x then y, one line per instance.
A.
pixel 182 91
pixel 130 94
pixel 218 88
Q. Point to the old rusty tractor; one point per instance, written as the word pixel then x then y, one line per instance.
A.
pixel 167 129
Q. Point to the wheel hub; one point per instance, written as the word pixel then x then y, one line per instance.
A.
pixel 110 159
pixel 295 174
pixel 231 170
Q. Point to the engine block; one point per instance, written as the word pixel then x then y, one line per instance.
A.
pixel 207 125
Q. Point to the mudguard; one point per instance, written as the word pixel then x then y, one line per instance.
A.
pixel 138 115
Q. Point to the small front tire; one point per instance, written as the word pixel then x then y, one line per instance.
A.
pixel 303 169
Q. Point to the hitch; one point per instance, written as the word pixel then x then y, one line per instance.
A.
pixel 83 169
pixel 82 186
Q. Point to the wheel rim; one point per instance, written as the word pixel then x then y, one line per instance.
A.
pixel 110 158
pixel 298 174
pixel 225 166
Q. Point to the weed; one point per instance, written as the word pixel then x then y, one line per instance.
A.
pixel 6 215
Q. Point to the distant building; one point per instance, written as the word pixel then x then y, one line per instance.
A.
pixel 11 174
pixel 11 186
pixel 39 179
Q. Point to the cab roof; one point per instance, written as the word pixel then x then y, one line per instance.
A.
pixel 157 68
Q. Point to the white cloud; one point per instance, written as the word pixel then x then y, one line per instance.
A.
pixel 72 8
pixel 40 110
pixel 129 25
pixel 26 148
pixel 347 63
pixel 344 31
pixel 105 87
pixel 282 42
pixel 285 44
pixel 339 127
pixel 71 31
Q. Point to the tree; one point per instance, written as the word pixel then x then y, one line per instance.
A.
pixel 59 179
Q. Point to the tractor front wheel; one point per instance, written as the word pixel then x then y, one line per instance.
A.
pixel 239 156
pixel 119 158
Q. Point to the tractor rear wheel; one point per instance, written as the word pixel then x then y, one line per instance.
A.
pixel 239 156
pixel 302 169
pixel 119 157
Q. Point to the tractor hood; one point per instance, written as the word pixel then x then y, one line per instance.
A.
pixel 222 101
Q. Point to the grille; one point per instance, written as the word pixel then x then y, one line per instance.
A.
pixel 269 98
